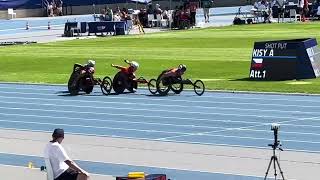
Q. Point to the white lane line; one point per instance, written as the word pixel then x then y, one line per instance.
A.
pixel 96 127
pixel 166 100
pixel 74 133
pixel 140 109
pixel 250 138
pixel 164 105
pixel 214 95
pixel 254 126
pixel 282 132
pixel 152 139
pixel 160 117
pixel 229 129
pixel 163 124
pixel 156 131
pixel 160 150
pixel 115 121
pixel 158 105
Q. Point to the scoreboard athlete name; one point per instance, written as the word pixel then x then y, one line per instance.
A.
pixel 262 52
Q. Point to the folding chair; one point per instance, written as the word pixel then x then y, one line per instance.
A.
pixel 318 11
pixel 49 169
pixel 150 19
pixel 11 13
pixel 293 13
pixel 159 20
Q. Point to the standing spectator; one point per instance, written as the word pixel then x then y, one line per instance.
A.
pixel 184 18
pixel 266 11
pixel 304 9
pixel 157 10
pixel 177 14
pixel 143 17
pixel 117 14
pixel 124 14
pixel 63 167
pixel 109 14
pixel 50 9
pixel 193 11
pixel 278 7
pixel 206 5
pixel 150 9
pixel 165 14
pixel 117 11
pixel 54 7
pixel 59 7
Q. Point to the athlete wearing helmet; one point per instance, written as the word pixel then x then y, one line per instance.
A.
pixel 91 63
pixel 176 72
pixel 86 69
pixel 133 66
pixel 128 74
pixel 89 67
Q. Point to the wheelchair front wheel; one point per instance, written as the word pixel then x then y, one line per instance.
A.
pixel 199 87
pixel 106 85
pixel 152 86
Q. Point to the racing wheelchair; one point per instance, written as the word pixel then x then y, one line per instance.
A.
pixel 120 83
pixel 176 84
pixel 86 82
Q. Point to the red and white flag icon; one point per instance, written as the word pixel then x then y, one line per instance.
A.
pixel 257 63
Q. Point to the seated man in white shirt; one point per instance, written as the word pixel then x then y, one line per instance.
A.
pixel 63 167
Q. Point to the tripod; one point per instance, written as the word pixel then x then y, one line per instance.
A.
pixel 274 158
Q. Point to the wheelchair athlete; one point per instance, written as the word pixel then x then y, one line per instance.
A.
pixel 86 69
pixel 127 74
pixel 174 74
pixel 133 66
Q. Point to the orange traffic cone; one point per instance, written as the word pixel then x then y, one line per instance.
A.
pixel 49 25
pixel 27 25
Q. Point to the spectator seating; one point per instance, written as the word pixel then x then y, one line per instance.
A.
pixel 11 14
pixel 157 20
pixel 49 169
pixel 150 20
pixel 164 22
pixel 293 13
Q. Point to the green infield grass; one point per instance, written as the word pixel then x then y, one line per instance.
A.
pixel 221 57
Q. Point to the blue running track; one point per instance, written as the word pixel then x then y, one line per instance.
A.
pixel 227 119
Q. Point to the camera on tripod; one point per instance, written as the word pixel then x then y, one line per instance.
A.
pixel 275 128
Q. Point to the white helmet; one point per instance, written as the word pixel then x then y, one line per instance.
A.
pixel 91 63
pixel 134 64
pixel 182 67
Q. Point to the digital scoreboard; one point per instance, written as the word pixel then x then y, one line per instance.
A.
pixel 285 60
